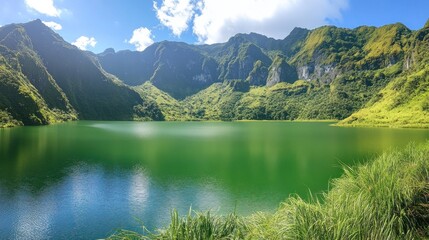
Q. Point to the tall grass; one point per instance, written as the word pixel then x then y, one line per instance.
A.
pixel 385 199
pixel 196 225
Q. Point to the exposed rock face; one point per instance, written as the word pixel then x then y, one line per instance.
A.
pixel 281 71
pixel 409 61
pixel 304 72
pixel 323 73
pixel 326 73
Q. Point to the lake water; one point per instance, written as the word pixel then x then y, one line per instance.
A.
pixel 84 180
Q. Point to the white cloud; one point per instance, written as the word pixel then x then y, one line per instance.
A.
pixel 141 39
pixel 44 7
pixel 175 14
pixel 217 20
pixel 53 25
pixel 83 42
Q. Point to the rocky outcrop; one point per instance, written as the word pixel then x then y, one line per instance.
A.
pixel 322 73
pixel 281 71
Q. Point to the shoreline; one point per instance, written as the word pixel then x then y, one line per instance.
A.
pixel 334 123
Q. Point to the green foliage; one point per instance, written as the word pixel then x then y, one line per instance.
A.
pixel 386 46
pixel 294 41
pixel 402 103
pixel 196 225
pixel 217 102
pixel 285 101
pixel 21 100
pixel 258 75
pixel 6 120
pixel 326 45
pixel 32 67
pixel 93 94
pixel 45 80
pixel 361 48
pixel 384 199
pixel 362 62
pixel 346 70
pixel 170 108
pixel 148 111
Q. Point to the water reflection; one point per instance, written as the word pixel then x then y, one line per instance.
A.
pixel 138 191
pixel 90 178
pixel 148 129
pixel 34 219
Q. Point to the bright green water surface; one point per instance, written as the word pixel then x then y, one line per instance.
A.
pixel 84 180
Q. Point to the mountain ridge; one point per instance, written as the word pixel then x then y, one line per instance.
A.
pixel 64 82
pixel 324 73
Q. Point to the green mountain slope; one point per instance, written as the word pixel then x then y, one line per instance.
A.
pixel 93 94
pixel 20 103
pixel 405 100
pixel 45 80
pixel 363 76
pixel 216 102
pixel 176 68
pixel 170 108
pixel 346 70
pixel 24 81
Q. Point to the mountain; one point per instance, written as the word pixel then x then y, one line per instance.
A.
pixel 343 72
pixel 363 76
pixel 405 100
pixel 45 80
pixel 182 70
pixel 176 68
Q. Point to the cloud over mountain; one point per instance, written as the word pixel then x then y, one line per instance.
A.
pixel 53 25
pixel 45 7
pixel 83 42
pixel 141 39
pixel 215 21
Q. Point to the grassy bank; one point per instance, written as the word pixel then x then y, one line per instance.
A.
pixel 387 198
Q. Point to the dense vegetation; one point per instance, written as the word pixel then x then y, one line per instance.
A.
pixel 175 68
pixel 44 79
pixel 363 76
pixel 341 71
pixel 405 100
pixel 387 198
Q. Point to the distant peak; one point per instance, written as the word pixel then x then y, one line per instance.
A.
pixel 236 39
pixel 256 34
pixel 109 51
pixel 297 33
pixel 299 29
pixel 36 23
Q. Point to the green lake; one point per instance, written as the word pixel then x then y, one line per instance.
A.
pixel 84 180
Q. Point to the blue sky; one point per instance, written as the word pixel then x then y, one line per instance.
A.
pixel 134 24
